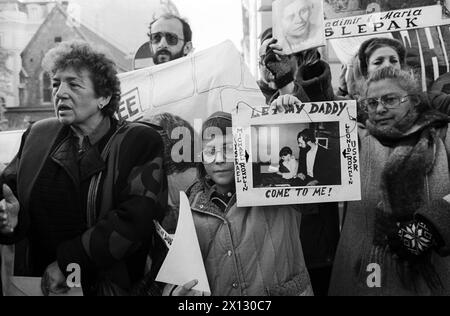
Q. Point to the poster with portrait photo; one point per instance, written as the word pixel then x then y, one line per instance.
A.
pixel 308 154
pixel 349 18
pixel 298 25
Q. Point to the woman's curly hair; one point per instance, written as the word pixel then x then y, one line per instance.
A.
pixel 80 56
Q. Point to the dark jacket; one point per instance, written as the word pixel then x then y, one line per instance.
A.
pixel 115 228
pixel 325 170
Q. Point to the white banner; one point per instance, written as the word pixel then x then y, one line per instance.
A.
pixel 385 22
pixel 308 154
pixel 192 88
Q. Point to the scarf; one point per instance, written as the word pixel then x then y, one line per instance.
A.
pixel 402 193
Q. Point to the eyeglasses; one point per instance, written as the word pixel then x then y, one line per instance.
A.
pixel 389 101
pixel 171 38
pixel 210 153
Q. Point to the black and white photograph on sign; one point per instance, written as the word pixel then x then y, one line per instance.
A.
pixel 309 155
pixel 347 8
pixel 298 24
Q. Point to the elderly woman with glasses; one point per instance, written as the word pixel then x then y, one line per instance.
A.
pixel 396 240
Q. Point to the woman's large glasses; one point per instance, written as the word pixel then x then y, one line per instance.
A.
pixel 210 153
pixel 171 38
pixel 389 101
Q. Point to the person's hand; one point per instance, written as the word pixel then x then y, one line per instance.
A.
pixel 54 281
pixel 282 66
pixel 186 290
pixel 285 103
pixel 9 211
pixel 276 49
pixel 301 176
pixel 313 183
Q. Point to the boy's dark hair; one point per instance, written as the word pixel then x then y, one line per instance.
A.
pixel 285 151
pixel 307 135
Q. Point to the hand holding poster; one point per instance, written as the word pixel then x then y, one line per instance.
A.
pixel 184 262
pixel 308 154
pixel 298 24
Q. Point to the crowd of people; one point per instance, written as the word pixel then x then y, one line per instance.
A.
pixel 86 188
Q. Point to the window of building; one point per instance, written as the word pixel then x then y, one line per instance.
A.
pixel 58 39
pixel 46 88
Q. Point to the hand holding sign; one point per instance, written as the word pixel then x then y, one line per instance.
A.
pixel 184 262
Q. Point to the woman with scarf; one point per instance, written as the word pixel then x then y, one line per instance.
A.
pixel 401 227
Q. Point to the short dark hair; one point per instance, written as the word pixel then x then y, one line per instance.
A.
pixel 80 56
pixel 187 31
pixel 285 151
pixel 307 135
pixel 370 46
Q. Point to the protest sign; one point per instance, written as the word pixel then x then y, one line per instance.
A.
pixel 298 25
pixel 184 262
pixel 308 154
pixel 359 17
pixel 192 87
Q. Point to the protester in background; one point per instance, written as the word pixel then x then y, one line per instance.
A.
pixel 266 83
pixel 170 38
pixel 402 222
pixel 85 188
pixel 263 256
pixel 308 79
pixel 179 139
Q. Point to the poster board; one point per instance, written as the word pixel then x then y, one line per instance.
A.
pixel 261 134
pixel 298 25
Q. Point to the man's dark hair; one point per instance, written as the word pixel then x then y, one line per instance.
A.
pixel 187 31
pixel 307 135
pixel 80 56
pixel 285 151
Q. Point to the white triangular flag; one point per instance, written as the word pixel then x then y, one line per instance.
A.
pixel 184 262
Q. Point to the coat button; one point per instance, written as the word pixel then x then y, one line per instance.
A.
pixel 229 253
pixel 235 285
pixel 201 206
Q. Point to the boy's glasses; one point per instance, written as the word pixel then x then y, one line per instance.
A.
pixel 210 153
pixel 171 38
pixel 389 101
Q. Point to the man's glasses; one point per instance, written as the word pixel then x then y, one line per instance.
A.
pixel 389 101
pixel 210 153
pixel 171 38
